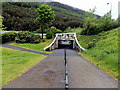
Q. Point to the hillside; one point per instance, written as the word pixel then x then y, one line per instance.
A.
pixel 70 8
pixel 21 16
pixel 105 52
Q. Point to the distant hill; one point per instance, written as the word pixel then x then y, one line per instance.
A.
pixel 70 8
pixel 21 15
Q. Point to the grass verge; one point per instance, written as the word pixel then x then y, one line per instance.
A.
pixel 15 63
pixel 105 52
pixel 37 47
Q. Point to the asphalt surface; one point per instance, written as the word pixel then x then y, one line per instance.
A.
pixel 83 74
pixel 49 73
pixel 22 49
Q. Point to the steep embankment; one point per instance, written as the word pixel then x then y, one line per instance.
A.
pixel 105 51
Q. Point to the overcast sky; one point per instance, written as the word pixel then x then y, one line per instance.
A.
pixel 101 5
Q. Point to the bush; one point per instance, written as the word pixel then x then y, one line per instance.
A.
pixel 36 39
pixel 54 30
pixel 90 29
pixel 49 35
pixel 9 36
pixel 90 45
pixel 27 37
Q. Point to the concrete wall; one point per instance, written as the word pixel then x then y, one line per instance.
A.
pixel 54 44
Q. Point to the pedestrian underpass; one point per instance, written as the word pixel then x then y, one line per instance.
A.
pixel 64 68
pixel 65 40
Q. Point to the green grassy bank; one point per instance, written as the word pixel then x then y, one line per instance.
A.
pixel 15 62
pixel 105 52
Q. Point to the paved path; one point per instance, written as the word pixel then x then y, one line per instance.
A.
pixel 83 74
pixel 22 49
pixel 49 73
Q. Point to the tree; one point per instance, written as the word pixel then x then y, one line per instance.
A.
pixel 95 25
pixel 45 16
pixel 105 22
pixel 90 23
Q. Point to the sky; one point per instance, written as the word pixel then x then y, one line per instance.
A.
pixel 101 5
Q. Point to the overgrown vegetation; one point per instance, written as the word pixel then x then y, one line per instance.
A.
pixel 105 51
pixel 94 25
pixel 15 63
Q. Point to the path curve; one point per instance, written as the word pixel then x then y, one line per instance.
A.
pixel 22 49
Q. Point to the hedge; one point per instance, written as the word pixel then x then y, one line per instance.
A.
pixel 9 36
pixel 27 37
pixel 49 35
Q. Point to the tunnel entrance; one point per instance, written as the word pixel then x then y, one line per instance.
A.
pixel 65 44
pixel 65 40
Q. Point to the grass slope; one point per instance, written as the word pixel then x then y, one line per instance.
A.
pixel 15 62
pixel 37 47
pixel 105 53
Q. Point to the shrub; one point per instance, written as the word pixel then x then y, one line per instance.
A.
pixel 49 35
pixel 94 40
pixel 27 37
pixel 90 29
pixel 90 45
pixel 9 36
pixel 54 30
pixel 36 39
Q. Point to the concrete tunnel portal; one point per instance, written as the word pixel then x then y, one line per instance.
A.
pixel 62 44
pixel 65 40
